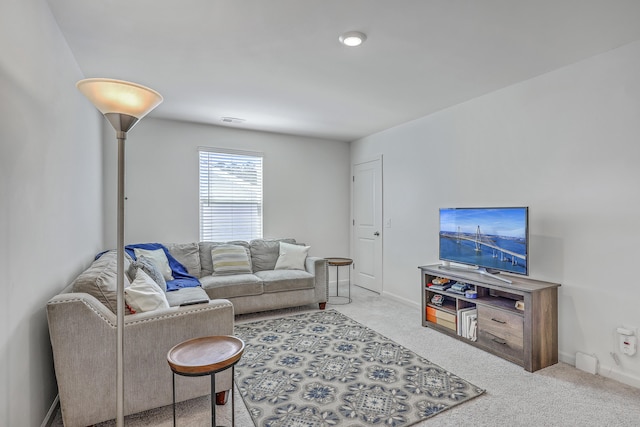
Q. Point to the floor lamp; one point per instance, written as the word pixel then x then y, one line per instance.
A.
pixel 123 104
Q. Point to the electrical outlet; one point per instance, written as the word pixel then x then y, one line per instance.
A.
pixel 628 344
pixel 627 340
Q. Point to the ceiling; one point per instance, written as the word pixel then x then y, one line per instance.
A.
pixel 278 64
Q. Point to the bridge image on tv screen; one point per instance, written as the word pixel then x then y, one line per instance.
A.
pixel 491 238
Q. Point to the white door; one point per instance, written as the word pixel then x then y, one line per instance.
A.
pixel 367 225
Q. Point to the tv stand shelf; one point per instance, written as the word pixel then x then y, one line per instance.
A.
pixel 528 337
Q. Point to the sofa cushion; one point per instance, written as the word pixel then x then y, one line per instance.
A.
pixel 148 267
pixel 292 257
pixel 265 253
pixel 159 258
pixel 231 286
pixel 206 263
pixel 144 294
pixel 100 279
pixel 187 254
pixel 285 280
pixel 230 259
pixel 182 295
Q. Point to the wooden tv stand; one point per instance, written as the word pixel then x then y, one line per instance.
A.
pixel 527 337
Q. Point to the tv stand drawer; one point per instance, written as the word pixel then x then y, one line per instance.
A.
pixel 501 331
pixel 503 347
pixel 500 323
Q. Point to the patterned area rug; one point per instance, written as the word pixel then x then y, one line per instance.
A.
pixel 324 369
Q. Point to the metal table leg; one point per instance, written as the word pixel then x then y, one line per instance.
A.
pixel 233 398
pixel 213 399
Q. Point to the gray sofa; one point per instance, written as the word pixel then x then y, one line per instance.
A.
pixel 82 326
pixel 264 288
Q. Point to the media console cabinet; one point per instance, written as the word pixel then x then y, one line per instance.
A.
pixel 527 336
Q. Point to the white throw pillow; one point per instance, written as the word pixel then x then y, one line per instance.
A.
pixel 159 258
pixel 144 294
pixel 292 257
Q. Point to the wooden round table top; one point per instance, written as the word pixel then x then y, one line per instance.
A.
pixel 339 261
pixel 205 355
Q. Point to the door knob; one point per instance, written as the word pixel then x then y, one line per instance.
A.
pixel 377 233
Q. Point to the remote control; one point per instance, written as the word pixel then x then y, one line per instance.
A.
pixel 194 301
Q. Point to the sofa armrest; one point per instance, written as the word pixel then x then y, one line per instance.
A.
pixel 83 339
pixel 318 267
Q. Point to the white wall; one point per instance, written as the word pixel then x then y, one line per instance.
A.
pixel 306 191
pixel 566 144
pixel 50 199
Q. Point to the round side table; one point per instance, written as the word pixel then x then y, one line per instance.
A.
pixel 337 263
pixel 206 356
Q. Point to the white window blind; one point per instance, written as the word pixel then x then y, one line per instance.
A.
pixel 230 195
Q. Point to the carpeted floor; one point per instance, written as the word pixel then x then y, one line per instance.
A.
pixel 559 395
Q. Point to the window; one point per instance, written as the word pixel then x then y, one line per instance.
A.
pixel 230 195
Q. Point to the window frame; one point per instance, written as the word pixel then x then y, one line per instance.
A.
pixel 207 231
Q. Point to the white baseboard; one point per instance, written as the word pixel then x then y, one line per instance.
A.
pixel 401 299
pixel 605 370
pixel 48 419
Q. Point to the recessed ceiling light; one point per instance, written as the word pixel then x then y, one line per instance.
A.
pixel 232 120
pixel 352 38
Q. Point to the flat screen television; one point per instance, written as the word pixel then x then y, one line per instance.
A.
pixel 491 239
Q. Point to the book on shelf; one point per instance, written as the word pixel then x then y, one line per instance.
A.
pixel 440 287
pixel 467 323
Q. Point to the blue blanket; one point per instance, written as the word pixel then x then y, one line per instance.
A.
pixel 181 279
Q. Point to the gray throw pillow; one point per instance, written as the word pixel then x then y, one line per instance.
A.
pixel 148 267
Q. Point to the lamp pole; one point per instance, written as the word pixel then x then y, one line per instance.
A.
pixel 121 123
pixel 121 136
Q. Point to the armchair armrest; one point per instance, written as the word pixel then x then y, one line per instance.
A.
pixel 318 267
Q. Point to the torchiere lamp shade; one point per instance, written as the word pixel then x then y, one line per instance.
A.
pixel 117 97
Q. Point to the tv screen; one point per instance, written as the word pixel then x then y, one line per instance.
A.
pixel 495 239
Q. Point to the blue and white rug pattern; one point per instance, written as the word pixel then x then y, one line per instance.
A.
pixel 324 369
